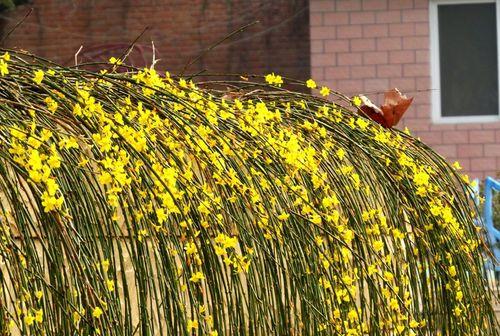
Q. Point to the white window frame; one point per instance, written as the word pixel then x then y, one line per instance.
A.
pixel 437 118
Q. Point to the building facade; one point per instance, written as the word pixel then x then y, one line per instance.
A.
pixel 443 53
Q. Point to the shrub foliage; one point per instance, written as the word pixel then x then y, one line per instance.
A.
pixel 142 203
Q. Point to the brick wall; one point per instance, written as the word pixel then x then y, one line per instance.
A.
pixel 180 29
pixel 367 46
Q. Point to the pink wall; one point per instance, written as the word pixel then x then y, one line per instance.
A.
pixel 367 46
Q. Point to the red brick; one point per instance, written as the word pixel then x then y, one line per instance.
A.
pixel 375 30
pixel 375 85
pixel 415 15
pixel 401 29
pixel 416 42
pixel 316 19
pixel 492 125
pixel 363 71
pixel 336 45
pixel 474 126
pixel 318 73
pixel 497 136
pixel 403 84
pixel 361 17
pixel 362 44
pixel 470 151
pixel 339 72
pixel 324 59
pixel 389 43
pixel 321 5
pixel 335 18
pixel 350 86
pixel 422 28
pixel 317 46
pixel 416 125
pixel 375 57
pixel 431 138
pixel 423 111
pixel 446 150
pixel 347 5
pixel 401 56
pixel 442 127
pixel 393 16
pixel 322 32
pixel 415 70
pixel 422 56
pixel 400 4
pixel 374 4
pixel 349 32
pixel 455 137
pixel 483 164
pixel 420 3
pixel 349 59
pixel 388 71
pixel 492 150
pixel 482 136
pixel 423 83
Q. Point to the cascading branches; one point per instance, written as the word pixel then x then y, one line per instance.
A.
pixel 143 204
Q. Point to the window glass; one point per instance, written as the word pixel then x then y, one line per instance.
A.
pixel 468 59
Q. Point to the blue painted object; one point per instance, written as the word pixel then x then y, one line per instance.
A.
pixel 491 185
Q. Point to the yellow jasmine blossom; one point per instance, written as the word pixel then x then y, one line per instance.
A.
pixel 311 84
pixel 356 101
pixel 110 284
pixel 325 91
pixel 38 78
pixel 97 312
pixel 4 69
pixel 378 245
pixel 192 324
pixel 196 277
pixel 39 315
pixel 116 61
pixel 29 319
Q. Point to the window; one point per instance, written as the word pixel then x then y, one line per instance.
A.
pixel 464 60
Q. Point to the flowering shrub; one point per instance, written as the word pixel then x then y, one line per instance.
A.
pixel 141 203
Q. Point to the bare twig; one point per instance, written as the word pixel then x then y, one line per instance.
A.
pixel 212 46
pixel 15 26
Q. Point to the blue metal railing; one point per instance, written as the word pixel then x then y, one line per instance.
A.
pixel 491 185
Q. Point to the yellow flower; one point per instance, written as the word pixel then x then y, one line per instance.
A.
pixel 311 84
pixel 378 245
pixel 110 284
pixel 283 216
pixel 39 294
pixel 4 69
pixel 356 101
pixel 192 324
pixel 421 178
pixel 116 61
pixel 6 56
pixel 196 277
pixel 456 165
pixel 97 312
pixel 274 79
pixel 453 271
pixel 38 78
pixel 324 91
pixel 39 315
pixel 29 319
